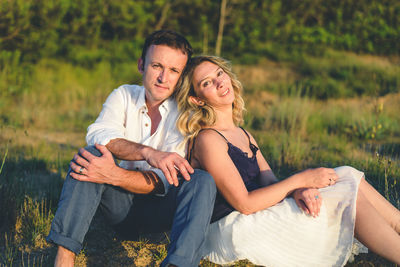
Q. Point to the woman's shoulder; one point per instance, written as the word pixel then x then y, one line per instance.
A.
pixel 210 135
pixel 210 138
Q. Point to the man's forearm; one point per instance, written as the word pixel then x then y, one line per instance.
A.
pixel 139 182
pixel 103 170
pixel 170 163
pixel 127 150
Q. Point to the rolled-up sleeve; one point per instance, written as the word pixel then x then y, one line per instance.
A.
pixel 163 180
pixel 111 122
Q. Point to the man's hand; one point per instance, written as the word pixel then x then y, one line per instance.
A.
pixel 170 163
pixel 89 168
pixel 309 200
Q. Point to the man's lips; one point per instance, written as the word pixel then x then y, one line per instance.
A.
pixel 162 87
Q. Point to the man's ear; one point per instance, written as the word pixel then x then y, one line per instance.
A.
pixel 140 65
pixel 196 101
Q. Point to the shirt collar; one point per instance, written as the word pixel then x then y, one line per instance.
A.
pixel 141 101
pixel 168 104
pixel 165 106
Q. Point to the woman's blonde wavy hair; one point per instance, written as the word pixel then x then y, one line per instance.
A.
pixel 192 117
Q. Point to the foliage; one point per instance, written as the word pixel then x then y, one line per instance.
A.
pixel 116 29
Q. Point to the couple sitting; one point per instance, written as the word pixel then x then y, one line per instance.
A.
pixel 308 219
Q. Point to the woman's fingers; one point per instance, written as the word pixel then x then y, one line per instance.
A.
pixel 300 203
pixel 311 205
pixel 313 201
pixel 318 202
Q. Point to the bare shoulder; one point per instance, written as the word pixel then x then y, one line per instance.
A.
pixel 209 140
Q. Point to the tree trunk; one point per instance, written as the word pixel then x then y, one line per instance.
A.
pixel 205 39
pixel 221 28
pixel 164 14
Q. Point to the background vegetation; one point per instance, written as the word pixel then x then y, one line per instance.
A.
pixel 321 83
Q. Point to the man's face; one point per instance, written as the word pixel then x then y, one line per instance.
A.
pixel 161 71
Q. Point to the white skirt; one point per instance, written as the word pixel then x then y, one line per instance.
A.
pixel 283 235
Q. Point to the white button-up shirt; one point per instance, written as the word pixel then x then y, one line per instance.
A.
pixel 124 115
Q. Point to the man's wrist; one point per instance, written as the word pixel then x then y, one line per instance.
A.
pixel 145 152
pixel 116 175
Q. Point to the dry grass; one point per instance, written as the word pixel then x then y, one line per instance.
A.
pixel 101 248
pixel 266 72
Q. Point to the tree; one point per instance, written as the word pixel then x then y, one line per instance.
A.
pixel 221 27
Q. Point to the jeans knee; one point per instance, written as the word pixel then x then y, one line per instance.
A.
pixel 204 180
pixel 97 153
pixel 93 150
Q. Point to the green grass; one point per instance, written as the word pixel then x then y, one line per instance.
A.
pixel 46 108
pixel 332 74
pixel 57 96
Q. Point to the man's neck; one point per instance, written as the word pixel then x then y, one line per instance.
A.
pixel 154 114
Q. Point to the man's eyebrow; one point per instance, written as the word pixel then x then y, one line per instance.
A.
pixel 175 69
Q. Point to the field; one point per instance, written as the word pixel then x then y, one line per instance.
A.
pixel 334 109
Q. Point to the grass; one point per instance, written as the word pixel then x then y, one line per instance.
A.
pixel 45 109
pixel 331 74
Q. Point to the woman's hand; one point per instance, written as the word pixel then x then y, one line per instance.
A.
pixel 309 200
pixel 319 177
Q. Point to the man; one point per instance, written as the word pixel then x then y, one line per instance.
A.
pixel 137 125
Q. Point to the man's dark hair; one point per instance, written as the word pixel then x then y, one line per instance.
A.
pixel 169 38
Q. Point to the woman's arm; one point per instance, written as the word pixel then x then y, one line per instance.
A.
pixel 211 153
pixel 307 199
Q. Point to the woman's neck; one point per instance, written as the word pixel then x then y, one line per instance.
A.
pixel 224 119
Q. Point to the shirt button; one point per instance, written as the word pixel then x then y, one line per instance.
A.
pixel 146 124
pixel 137 168
pixel 142 112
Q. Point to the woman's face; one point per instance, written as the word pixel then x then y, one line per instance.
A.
pixel 212 85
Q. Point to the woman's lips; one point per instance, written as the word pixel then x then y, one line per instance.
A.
pixel 225 93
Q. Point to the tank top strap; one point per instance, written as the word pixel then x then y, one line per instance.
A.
pixel 189 158
pixel 192 143
pixel 190 151
pixel 246 134
pixel 215 131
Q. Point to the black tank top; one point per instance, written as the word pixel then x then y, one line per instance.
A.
pixel 247 167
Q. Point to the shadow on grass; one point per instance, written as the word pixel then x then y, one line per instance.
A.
pixel 29 192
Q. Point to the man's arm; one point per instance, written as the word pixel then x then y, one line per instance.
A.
pixel 103 170
pixel 168 162
pixel 126 150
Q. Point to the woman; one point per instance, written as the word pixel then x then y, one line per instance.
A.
pixel 254 216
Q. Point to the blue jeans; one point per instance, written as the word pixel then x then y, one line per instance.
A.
pixel 185 210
